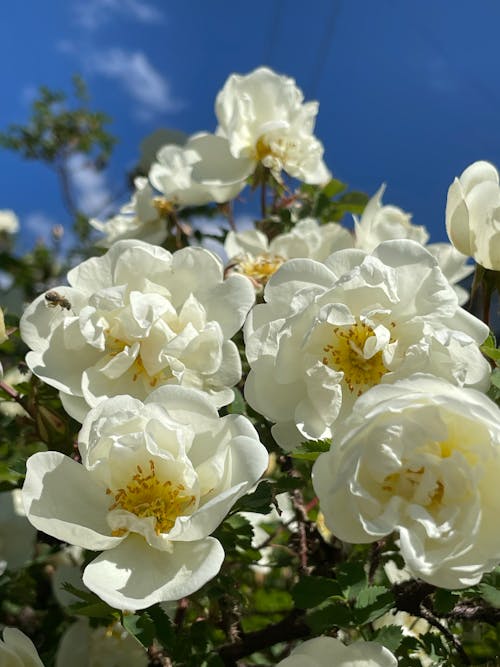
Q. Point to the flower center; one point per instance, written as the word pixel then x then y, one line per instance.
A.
pixel 262 149
pixel 115 345
pixel 346 353
pixel 146 495
pixel 408 484
pixel 260 268
pixel 163 206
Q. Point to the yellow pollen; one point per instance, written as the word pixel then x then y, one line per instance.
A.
pixel 145 495
pixel 259 269
pixel 346 353
pixel 116 345
pixel 163 206
pixel 262 149
pixel 405 484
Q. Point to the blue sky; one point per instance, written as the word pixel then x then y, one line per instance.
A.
pixel 409 91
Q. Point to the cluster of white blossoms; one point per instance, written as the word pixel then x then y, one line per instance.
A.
pixel 330 331
pixel 358 336
pixel 137 318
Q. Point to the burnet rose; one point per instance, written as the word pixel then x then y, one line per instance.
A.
pixel 421 457
pixel 253 255
pixel 265 119
pixel 203 170
pixel 328 332
pixel 17 650
pixel 328 651
pixel 156 480
pixel 84 646
pixel 139 317
pixel 381 222
pixel 473 214
pixel 141 219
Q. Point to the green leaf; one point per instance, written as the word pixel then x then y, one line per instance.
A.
pixel 272 601
pixel 332 614
pixel 369 595
pixel 444 601
pixel 309 451
pixel 311 591
pixel 163 626
pixel 489 348
pixel 238 406
pixel 390 636
pixel 140 627
pixel 490 594
pixel 334 187
pixel 259 501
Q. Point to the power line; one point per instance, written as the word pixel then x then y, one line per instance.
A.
pixel 324 47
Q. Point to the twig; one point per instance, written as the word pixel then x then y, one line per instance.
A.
pixel 427 614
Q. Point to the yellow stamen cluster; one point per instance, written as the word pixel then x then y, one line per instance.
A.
pixel 116 345
pixel 145 495
pixel 346 353
pixel 163 206
pixel 406 482
pixel 259 269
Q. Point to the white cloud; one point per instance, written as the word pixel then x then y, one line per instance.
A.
pixel 93 196
pixel 92 14
pixel 139 79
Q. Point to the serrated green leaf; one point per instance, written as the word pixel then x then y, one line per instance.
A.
pixel 390 636
pixel 311 591
pixel 489 348
pixel 444 601
pixel 369 595
pixel 163 626
pixel 309 451
pixel 260 501
pixel 140 627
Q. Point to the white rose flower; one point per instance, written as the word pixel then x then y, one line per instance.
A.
pixel 384 223
pixel 83 646
pixel 156 480
pixel 251 254
pixel 9 222
pixel 327 651
pixel 17 535
pixel 139 219
pixel 264 118
pixel 201 171
pixel 328 332
pixel 17 650
pixel 421 457
pixel 473 214
pixel 3 333
pixel 137 318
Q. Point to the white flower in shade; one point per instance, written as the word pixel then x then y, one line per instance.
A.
pixel 137 318
pixel 327 651
pixel 17 650
pixel 141 219
pixel 421 457
pixel 473 214
pixel 265 119
pixel 3 333
pixel 9 222
pixel 17 535
pixel 385 223
pixel 156 480
pixel 83 646
pixel 328 332
pixel 203 170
